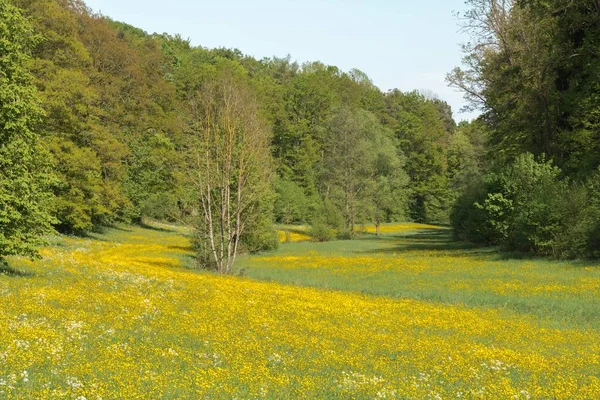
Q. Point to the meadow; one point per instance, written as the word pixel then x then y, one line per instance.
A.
pixel 422 262
pixel 409 314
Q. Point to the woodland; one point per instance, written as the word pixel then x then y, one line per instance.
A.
pixel 103 123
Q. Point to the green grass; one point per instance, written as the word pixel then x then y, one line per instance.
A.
pixel 121 315
pixel 429 265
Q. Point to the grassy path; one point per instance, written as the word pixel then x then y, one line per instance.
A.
pixel 119 316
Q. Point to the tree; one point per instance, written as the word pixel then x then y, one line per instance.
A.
pixel 232 168
pixel 299 130
pixel 291 204
pixel 420 125
pixel 466 154
pixel 116 105
pixel 533 69
pixel 24 173
pixel 389 195
pixel 362 169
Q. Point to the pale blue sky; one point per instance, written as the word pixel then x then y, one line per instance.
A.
pixel 399 44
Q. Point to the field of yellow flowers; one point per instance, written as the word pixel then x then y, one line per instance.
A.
pixel 292 234
pixel 120 316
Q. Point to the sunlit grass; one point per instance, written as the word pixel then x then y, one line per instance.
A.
pixel 119 316
pixel 292 233
pixel 428 265
pixel 399 227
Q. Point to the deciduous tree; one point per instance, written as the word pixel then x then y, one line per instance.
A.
pixel 24 172
pixel 232 170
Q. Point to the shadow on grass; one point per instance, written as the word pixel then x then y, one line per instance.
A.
pixel 6 269
pixel 93 235
pixel 293 230
pixel 518 256
pixel 154 228
pixel 187 262
pixel 161 264
pixel 187 249
pixel 114 227
pixel 443 241
pixel 434 240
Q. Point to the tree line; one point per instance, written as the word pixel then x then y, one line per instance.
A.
pixel 533 69
pixel 105 123
pixel 117 123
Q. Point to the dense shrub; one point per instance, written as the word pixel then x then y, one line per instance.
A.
pixel 262 238
pixel 345 235
pixel 320 232
pixel 528 207
pixel 579 235
pixel 291 204
pixel 470 222
pixel 162 206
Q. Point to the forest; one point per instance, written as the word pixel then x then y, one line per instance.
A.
pixel 108 123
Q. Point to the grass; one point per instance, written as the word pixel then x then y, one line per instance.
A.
pixel 409 314
pixel 428 265
pixel 292 233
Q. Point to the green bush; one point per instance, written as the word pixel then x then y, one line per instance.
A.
pixel 320 232
pixel 535 192
pixel 528 207
pixel 291 204
pixel 470 223
pixel 263 238
pixel 162 206
pixel 344 234
pixel 579 235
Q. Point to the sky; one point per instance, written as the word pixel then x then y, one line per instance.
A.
pixel 404 44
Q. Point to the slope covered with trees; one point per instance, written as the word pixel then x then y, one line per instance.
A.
pixel 24 173
pixel 120 108
pixel 117 109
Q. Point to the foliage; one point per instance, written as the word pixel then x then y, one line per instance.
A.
pixel 363 173
pixel 230 171
pixel 119 104
pixel 110 115
pixel 25 175
pixel 420 127
pixel 320 232
pixel 291 204
pixel 532 68
pixel 528 207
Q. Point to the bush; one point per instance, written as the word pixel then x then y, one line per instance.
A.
pixel 345 234
pixel 529 208
pixel 162 206
pixel 579 235
pixel 470 223
pixel 538 196
pixel 262 239
pixel 320 232
pixel 291 204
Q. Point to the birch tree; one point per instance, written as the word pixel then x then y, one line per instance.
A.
pixel 232 168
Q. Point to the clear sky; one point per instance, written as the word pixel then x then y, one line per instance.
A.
pixel 400 44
